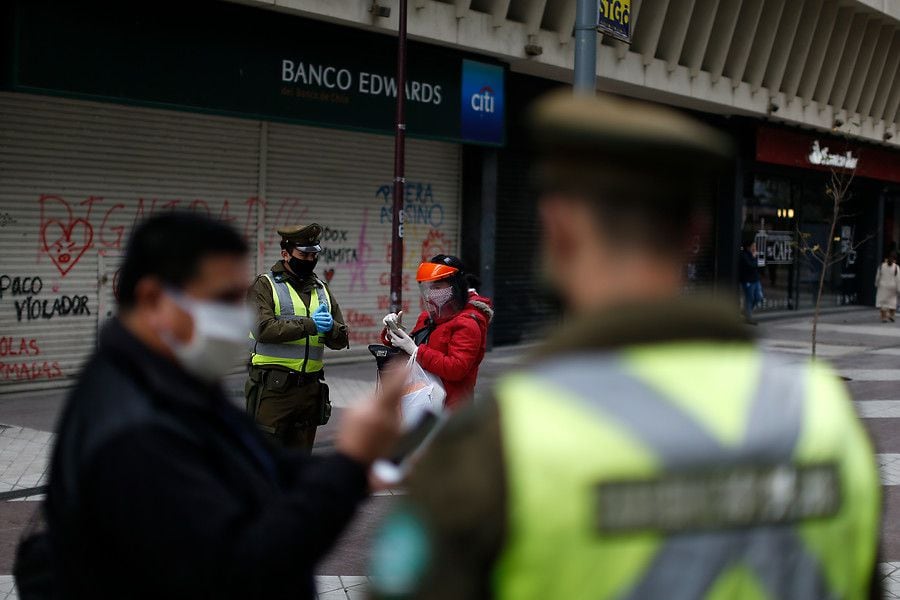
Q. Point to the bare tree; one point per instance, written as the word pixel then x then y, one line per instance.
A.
pixel 837 189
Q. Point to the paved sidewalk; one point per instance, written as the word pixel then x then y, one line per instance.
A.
pixel 329 588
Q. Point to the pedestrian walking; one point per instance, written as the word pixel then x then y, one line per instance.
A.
pixel 297 317
pixel 650 449
pixel 450 336
pixel 748 274
pixel 161 488
pixel 887 284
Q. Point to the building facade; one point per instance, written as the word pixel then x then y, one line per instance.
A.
pixel 111 114
pixel 269 112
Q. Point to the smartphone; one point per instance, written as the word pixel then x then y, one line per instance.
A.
pixel 394 327
pixel 395 466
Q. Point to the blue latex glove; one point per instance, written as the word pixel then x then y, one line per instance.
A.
pixel 323 319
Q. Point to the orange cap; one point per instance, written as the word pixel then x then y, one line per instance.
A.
pixel 434 271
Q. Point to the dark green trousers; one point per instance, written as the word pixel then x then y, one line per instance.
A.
pixel 288 417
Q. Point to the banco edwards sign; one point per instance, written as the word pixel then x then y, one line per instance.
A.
pixel 253 63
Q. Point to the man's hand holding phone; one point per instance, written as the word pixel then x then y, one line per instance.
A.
pixel 370 428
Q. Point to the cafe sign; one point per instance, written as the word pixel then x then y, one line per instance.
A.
pixel 775 248
pixel 799 149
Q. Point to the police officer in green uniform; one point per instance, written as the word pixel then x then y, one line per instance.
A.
pixel 297 317
pixel 650 449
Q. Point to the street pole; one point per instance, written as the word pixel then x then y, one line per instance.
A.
pixel 586 47
pixel 399 169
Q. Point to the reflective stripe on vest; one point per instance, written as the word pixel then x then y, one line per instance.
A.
pixel 304 355
pixel 640 433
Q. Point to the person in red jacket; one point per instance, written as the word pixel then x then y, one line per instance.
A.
pixel 450 336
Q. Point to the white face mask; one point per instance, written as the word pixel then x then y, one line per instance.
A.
pixel 219 340
pixel 437 298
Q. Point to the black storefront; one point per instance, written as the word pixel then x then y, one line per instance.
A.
pixel 775 192
pixel 525 306
pixel 786 206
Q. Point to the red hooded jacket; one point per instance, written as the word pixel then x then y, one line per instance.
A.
pixel 455 348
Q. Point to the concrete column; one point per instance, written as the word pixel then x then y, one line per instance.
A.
pixel 863 63
pixel 742 43
pixel 818 50
pixel 462 7
pixel 673 35
pixel 720 42
pixel 762 46
pixel 858 32
pixel 646 39
pixel 876 69
pixel 784 41
pixel 831 61
pixel 698 35
pixel 803 41
pixel 887 81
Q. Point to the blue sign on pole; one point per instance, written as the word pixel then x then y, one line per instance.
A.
pixel 614 19
pixel 482 110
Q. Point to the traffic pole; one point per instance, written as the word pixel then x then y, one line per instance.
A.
pixel 586 47
pixel 399 169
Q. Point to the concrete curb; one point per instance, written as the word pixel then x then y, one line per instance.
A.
pixel 808 312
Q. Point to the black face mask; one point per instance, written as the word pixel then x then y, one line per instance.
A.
pixel 302 267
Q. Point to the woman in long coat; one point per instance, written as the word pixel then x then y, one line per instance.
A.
pixel 887 282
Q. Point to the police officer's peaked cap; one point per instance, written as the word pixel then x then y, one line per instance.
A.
pixel 587 128
pixel 306 238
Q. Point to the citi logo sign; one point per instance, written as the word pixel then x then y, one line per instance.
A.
pixel 483 101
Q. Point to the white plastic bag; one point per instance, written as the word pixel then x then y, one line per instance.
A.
pixel 423 391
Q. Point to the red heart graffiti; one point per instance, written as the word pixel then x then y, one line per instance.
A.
pixel 63 250
pixel 329 275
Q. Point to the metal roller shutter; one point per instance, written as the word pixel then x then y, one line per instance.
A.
pixel 343 180
pixel 74 178
pixel 523 310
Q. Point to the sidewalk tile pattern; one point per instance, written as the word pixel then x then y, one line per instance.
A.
pixel 871 374
pixel 24 455
pixel 878 409
pixel 328 588
pixel 890 574
pixel 889 465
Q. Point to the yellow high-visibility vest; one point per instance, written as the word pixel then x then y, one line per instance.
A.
pixel 684 471
pixel 306 354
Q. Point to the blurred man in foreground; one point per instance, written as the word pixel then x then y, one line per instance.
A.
pixel 651 450
pixel 159 487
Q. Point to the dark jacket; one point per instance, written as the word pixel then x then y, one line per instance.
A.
pixel 159 488
pixel 748 268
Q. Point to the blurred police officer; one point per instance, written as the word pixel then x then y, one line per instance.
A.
pixel 651 450
pixel 297 317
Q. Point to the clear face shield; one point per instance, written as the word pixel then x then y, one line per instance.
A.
pixel 443 298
